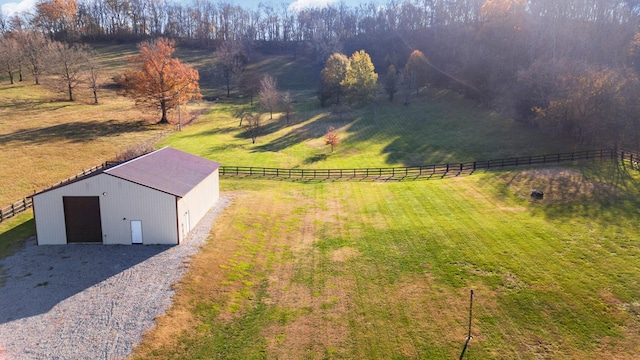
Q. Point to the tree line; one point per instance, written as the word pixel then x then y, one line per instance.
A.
pixel 60 66
pixel 556 64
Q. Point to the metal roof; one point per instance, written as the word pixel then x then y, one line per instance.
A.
pixel 168 170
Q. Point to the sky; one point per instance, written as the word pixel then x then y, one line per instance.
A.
pixel 15 6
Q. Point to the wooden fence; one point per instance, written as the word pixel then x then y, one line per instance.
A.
pixel 27 202
pixel 392 173
pixel 414 172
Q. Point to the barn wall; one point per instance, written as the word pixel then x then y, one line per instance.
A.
pixel 120 202
pixel 198 202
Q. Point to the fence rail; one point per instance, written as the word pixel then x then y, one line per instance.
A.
pixel 398 173
pixel 392 173
pixel 27 202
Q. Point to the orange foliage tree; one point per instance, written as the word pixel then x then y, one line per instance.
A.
pixel 57 17
pixel 160 81
pixel 332 138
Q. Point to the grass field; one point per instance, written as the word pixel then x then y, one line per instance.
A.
pixel 383 271
pixel 365 270
pixel 355 270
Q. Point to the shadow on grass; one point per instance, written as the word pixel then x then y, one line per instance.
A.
pixel 605 192
pixel 12 239
pixel 73 131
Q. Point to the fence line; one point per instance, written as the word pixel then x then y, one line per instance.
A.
pixel 392 173
pixel 27 202
pixel 428 171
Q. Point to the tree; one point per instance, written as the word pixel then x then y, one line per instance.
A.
pixel 36 48
pixel 332 138
pixel 252 122
pixel 94 75
pixel 69 63
pixel 391 82
pixel 232 63
pixel 160 81
pixel 331 77
pixel 268 96
pixel 9 56
pixel 57 17
pixel 416 70
pixel 250 85
pixel 286 104
pixel 360 81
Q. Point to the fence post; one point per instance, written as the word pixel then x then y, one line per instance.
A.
pixel 474 166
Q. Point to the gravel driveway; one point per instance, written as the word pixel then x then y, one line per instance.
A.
pixel 89 301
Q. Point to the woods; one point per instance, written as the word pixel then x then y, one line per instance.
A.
pixel 492 51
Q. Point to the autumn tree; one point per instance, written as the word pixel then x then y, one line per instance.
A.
pixel 268 95
pixel 57 17
pixel 159 80
pixel 69 63
pixel 391 82
pixel 332 138
pixel 595 106
pixel 416 70
pixel 360 81
pixel 331 77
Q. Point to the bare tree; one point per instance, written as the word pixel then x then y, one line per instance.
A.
pixel 250 85
pixel 252 123
pixel 9 56
pixel 231 63
pixel 94 74
pixel 268 95
pixel 69 63
pixel 286 104
pixel 36 50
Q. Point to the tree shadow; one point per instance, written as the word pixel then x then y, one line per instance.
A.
pixel 73 131
pixel 316 158
pixel 310 130
pixel 605 193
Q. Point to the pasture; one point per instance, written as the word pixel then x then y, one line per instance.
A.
pixel 361 269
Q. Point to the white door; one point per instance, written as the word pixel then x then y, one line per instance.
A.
pixel 136 232
pixel 186 224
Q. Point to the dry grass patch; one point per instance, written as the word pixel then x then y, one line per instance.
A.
pixel 43 141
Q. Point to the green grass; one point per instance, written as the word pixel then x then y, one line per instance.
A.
pixel 548 283
pixel 13 232
pixel 436 128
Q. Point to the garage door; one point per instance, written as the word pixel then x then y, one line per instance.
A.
pixel 82 219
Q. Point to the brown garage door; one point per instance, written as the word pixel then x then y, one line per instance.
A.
pixel 82 218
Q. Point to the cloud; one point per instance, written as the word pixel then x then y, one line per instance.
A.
pixel 13 8
pixel 303 4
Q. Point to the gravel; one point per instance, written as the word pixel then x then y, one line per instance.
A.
pixel 89 301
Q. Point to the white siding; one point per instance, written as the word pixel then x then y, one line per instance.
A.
pixel 120 202
pixel 198 202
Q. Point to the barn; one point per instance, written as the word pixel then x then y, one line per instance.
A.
pixel 152 199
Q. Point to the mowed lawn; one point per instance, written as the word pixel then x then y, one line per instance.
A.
pixel 383 270
pixel 368 270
